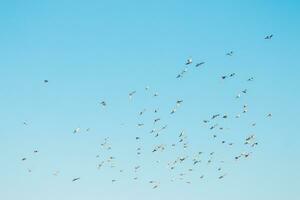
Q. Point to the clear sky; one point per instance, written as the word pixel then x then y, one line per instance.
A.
pixel 101 50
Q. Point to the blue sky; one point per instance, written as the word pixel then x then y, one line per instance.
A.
pixel 101 50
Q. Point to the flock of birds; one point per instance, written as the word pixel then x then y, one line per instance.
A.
pixel 212 123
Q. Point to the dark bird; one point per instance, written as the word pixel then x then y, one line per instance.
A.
pixel 215 116
pixel 189 61
pixel 103 103
pixel 229 53
pixel 199 64
pixel 75 179
pixel 268 37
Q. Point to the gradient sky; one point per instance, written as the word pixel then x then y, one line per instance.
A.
pixel 102 50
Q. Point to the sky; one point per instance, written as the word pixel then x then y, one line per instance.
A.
pixel 92 51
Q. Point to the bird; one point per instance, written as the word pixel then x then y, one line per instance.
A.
pixel 76 130
pixel 173 111
pixel 75 179
pixel 140 125
pixel 232 75
pixel 250 79
pixel 244 91
pixel 222 176
pixel 131 94
pixel 199 64
pixel 35 151
pixel 215 116
pixel 46 81
pixel 179 102
pixel 223 77
pixel 23 159
pixel 182 73
pixel 268 37
pixel 142 112
pixel 156 120
pixel 229 53
pixel 103 103
pixel 189 61
pixel 269 115
pixel 155 94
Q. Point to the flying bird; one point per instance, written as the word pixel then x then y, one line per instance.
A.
pixel 268 37
pixel 199 64
pixel 229 53
pixel 189 61
pixel 75 179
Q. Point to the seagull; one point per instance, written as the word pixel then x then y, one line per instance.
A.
pixel 140 125
pixel 142 112
pixel 182 72
pixel 222 176
pixel 199 64
pixel 269 115
pixel 205 121
pixel 76 130
pixel 23 159
pixel 232 75
pixel 268 37
pixel 244 91
pixel 103 103
pixel 131 94
pixel 155 94
pixel 156 120
pixel 229 53
pixel 179 102
pixel 35 151
pixel 75 179
pixel 215 116
pixel 181 133
pixel 250 79
pixel 223 77
pixel 46 81
pixel 189 61
pixel 173 111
